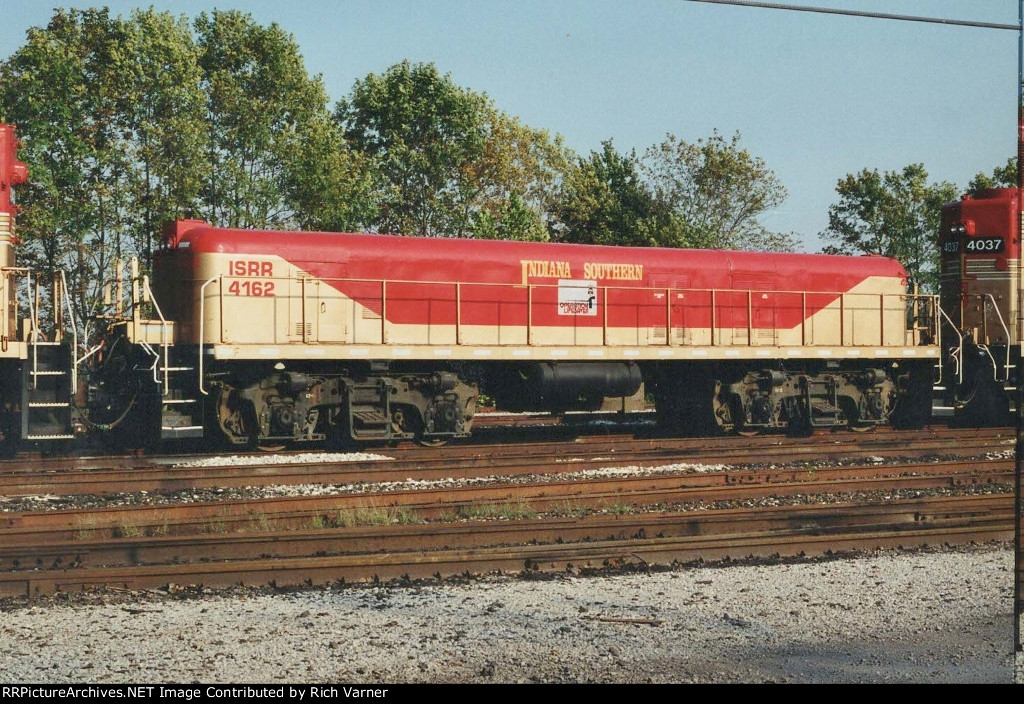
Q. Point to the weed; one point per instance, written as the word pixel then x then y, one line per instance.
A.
pixel 619 509
pixel 127 530
pixel 568 509
pixel 508 511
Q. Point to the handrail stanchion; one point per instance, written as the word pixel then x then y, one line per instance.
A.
pixel 202 322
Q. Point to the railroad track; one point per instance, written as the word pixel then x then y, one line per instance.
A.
pixel 65 476
pixel 585 523
pixel 846 531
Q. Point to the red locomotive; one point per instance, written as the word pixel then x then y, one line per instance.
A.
pixel 269 338
pixel 980 298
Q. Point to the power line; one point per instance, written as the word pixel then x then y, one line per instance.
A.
pixel 857 13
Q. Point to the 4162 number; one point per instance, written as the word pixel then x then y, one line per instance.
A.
pixel 251 288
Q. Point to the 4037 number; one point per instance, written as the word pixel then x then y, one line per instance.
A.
pixel 985 244
pixel 251 288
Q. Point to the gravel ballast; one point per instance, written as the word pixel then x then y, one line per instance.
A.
pixel 888 617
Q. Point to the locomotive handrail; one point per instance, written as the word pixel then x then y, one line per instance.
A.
pixel 90 353
pixel 163 335
pixel 506 284
pixel 32 324
pixel 74 333
pixel 864 317
pixel 959 348
pixel 156 359
pixel 202 320
pixel 999 315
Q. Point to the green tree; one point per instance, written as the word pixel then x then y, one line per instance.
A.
pixel 716 192
pixel 448 162
pixel 131 122
pixel 66 90
pixel 327 185
pixel 511 187
pixel 267 124
pixel 603 200
pixel 708 194
pixel 161 113
pixel 895 214
pixel 1002 177
pixel 421 129
pixel 514 220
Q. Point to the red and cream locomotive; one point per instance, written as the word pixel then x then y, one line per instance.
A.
pixel 268 338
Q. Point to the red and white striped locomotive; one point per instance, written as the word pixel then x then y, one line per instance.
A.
pixel 269 338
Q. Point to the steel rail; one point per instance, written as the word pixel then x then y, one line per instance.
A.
pixel 475 463
pixel 572 557
pixel 26 528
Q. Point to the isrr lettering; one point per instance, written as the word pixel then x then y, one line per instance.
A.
pixel 245 267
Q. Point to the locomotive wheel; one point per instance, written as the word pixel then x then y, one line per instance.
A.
pixel 408 420
pixel 237 420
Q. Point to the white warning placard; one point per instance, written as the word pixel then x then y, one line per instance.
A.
pixel 577 297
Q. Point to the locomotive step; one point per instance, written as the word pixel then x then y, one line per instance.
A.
pixel 50 437
pixel 372 425
pixel 179 400
pixel 49 404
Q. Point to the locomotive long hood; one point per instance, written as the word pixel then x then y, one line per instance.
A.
pixel 338 256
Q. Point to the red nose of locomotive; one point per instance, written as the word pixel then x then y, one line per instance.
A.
pixel 12 171
pixel 980 249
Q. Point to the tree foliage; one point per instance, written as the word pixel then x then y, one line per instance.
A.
pixel 604 201
pixel 895 214
pixel 107 150
pixel 716 192
pixel 707 194
pixel 267 123
pixel 1002 177
pixel 449 164
pixel 131 122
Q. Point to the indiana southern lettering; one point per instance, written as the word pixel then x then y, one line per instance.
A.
pixel 545 269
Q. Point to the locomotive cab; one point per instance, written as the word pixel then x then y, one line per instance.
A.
pixel 979 283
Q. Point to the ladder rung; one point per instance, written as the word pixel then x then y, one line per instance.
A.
pixel 179 369
pixel 181 427
pixel 179 400
pixel 49 372
pixel 49 437
pixel 48 404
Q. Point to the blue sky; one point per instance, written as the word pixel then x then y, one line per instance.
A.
pixel 815 96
